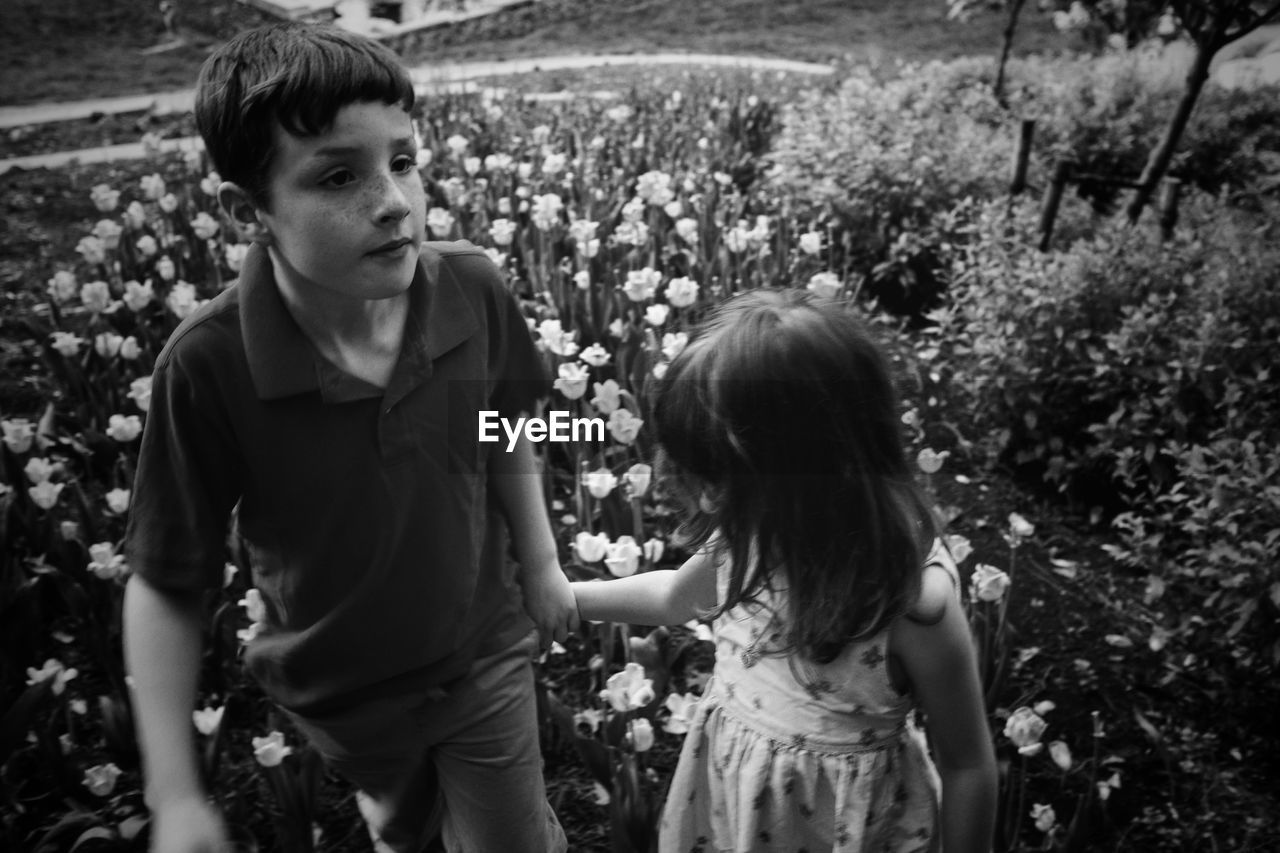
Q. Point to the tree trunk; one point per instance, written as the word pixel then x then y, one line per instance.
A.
pixel 1162 156
pixel 1011 27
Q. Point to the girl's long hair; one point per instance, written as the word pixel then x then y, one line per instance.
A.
pixel 779 428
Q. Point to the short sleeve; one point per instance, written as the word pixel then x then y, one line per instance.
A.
pixel 185 486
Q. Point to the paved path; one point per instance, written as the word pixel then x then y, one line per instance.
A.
pixel 426 78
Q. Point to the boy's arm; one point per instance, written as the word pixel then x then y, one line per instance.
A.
pixel 652 598
pixel 163 641
pixel 940 662
pixel 547 597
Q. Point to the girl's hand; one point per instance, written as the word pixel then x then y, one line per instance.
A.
pixel 188 825
pixel 549 601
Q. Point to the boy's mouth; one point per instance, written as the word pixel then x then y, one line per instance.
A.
pixel 391 247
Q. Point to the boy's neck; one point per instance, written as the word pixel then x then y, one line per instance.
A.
pixel 362 337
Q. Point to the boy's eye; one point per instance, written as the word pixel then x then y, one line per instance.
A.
pixel 404 163
pixel 339 179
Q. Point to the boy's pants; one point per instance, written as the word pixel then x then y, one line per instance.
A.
pixel 465 764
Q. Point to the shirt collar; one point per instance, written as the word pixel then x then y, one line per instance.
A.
pixel 283 361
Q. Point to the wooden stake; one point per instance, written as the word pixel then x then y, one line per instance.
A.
pixel 1022 157
pixel 1169 207
pixel 1052 200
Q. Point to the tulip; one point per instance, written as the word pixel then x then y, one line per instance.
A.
pixel 1019 527
pixel 270 750
pixel 62 286
pixel 101 779
pixel 207 720
pixel 628 689
pixel 595 355
pixel 988 583
pixel 1025 728
pixel 52 671
pixel 572 382
pixel 682 708
pixel 639 476
pixel 656 315
pixel 118 501
pixel 124 428
pixel 1061 755
pixel 440 221
pixel 96 296
pixel 929 461
pixel 825 284
pixel 681 292
pixel 600 482
pixel 38 469
pixel 92 249
pixel 140 392
pixel 45 495
pixel 608 397
pixel 1043 816
pixel 502 231
pixel 623 557
pixel 19 434
pixel 254 606
pixel 959 546
pixel 641 735
pixel 591 548
pixel 641 284
pixel 624 426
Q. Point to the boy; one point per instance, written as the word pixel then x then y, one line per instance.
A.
pixel 332 396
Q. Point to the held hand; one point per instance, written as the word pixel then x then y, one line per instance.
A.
pixel 549 601
pixel 188 825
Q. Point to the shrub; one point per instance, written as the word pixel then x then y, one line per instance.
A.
pixel 1136 377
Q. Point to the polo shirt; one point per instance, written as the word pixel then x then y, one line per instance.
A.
pixel 380 555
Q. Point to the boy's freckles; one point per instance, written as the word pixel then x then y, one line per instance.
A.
pixel 347 209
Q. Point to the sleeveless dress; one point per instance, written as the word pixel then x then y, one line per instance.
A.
pixel 788 755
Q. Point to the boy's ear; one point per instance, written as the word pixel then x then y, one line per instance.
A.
pixel 237 204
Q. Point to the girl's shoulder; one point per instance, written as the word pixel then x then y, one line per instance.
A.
pixel 939 586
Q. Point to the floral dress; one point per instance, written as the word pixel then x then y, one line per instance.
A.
pixel 788 755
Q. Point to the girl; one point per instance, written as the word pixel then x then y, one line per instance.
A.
pixel 836 612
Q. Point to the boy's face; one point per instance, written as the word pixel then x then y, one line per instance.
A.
pixel 347 210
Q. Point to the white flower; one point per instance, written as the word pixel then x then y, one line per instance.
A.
pixel 811 242
pixel 1061 755
pixel 638 477
pixel 457 144
pixel 62 286
pixel 104 198
pixel 600 482
pixel 930 461
pixel 582 278
pixel 107 344
pixel 66 344
pixel 96 296
pixel 152 186
pixel 1025 728
pixel 130 349
pixel 471 165
pixel 572 381
pixel 988 583
pixel 235 254
pixel 135 215
pixel 101 779
pixel 166 269
pixel 182 300
pixel 254 606
pixel 738 239
pixel 1019 527
pixel 124 428
pixel 553 164
pixel 207 720
pixel 641 735
pixel 19 434
pixel 105 563
pixel 38 469
pixel 959 546
pixel 209 184
pixel 1044 817
pixel 440 221
pixel 587 722
pixel 147 245
pixel 502 231
pixel 591 548
pixel 631 233
pixel 682 708
pixel 595 355
pixel 673 343
pixel 205 226
pixel 623 557
pixel 623 426
pixel 53 671
pixel 641 284
pixel 140 392
pixel 628 689
pixel 687 230
pixel 656 315
pixel 681 292
pixel 553 336
pixel 582 230
pixel 108 231
pixel 825 284
pixel 270 750
pixel 118 501
pixel 92 249
pixel 546 211
pixel 45 495
pixel 498 162
pixel 608 397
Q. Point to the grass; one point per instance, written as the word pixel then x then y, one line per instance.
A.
pixel 56 50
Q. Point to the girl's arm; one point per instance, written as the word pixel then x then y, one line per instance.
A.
pixel 666 597
pixel 940 662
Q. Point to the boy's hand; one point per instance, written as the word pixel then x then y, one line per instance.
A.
pixel 549 601
pixel 188 825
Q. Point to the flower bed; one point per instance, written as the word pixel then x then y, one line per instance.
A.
pixel 619 222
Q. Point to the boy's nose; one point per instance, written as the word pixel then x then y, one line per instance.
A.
pixel 392 202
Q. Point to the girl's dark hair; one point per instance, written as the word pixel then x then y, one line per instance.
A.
pixel 783 411
pixel 293 74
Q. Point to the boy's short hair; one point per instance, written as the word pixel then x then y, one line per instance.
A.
pixel 293 74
